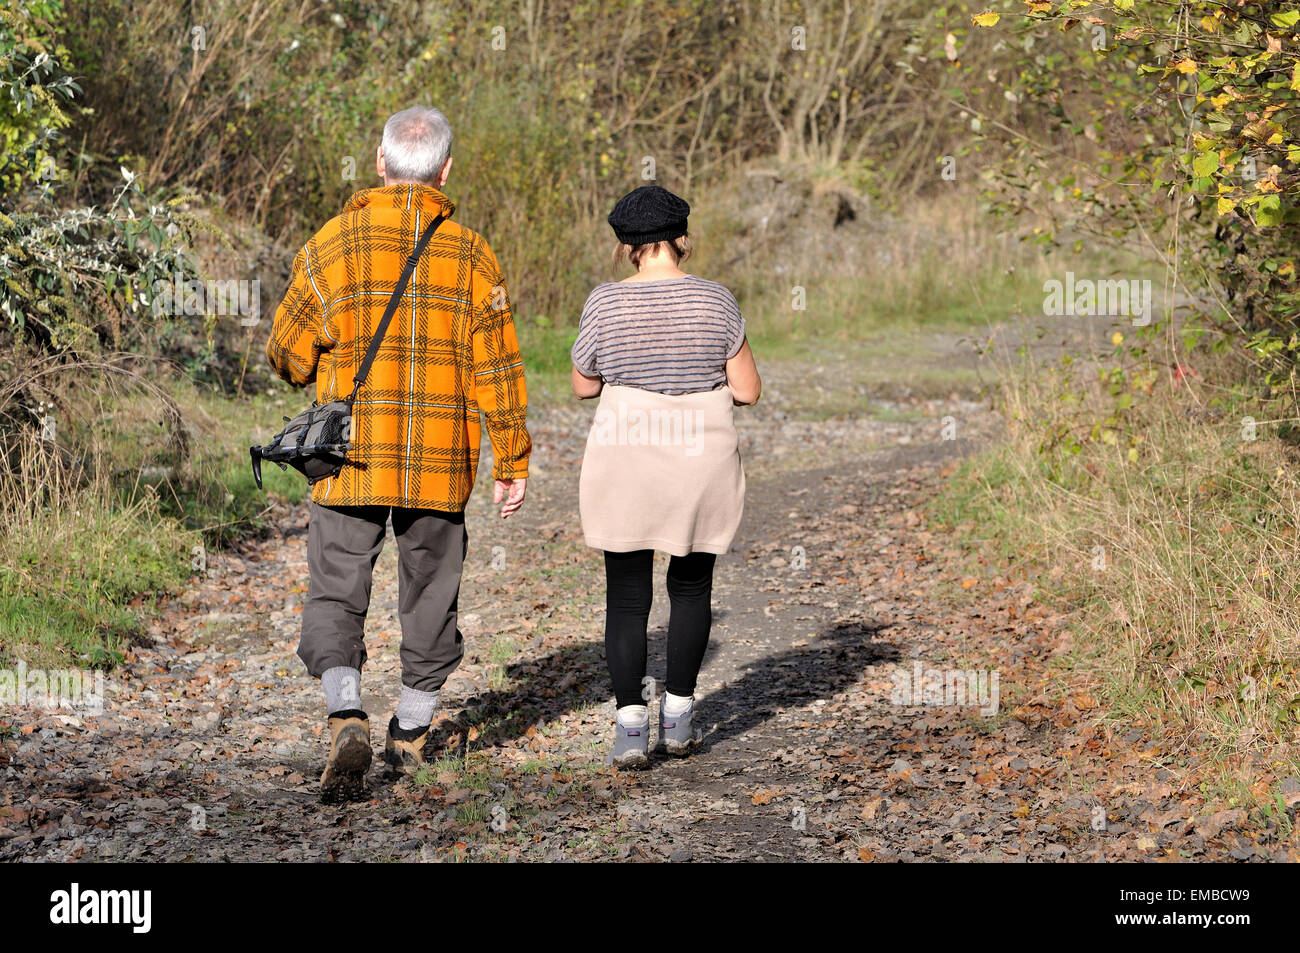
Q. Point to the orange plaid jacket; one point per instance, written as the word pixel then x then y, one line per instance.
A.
pixel 450 351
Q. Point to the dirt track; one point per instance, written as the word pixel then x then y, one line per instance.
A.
pixel 212 741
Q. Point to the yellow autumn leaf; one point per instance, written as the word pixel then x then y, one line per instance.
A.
pixel 987 18
pixel 1187 65
pixel 1226 206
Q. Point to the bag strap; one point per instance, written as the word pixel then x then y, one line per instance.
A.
pixel 387 319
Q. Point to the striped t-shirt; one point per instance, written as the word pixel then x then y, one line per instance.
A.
pixel 672 335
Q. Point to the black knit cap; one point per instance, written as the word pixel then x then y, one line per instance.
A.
pixel 649 214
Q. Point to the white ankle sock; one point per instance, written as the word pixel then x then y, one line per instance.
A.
pixel 415 709
pixel 677 704
pixel 630 715
pixel 342 688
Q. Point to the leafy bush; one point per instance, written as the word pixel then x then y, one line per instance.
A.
pixel 72 279
pixel 1172 128
pixel 34 89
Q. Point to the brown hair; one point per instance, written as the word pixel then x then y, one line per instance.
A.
pixel 680 247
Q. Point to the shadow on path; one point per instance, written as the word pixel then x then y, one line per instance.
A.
pixel 547 688
pixel 830 664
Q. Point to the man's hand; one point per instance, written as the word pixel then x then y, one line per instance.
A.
pixel 512 491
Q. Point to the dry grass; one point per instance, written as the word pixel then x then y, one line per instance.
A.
pixel 1177 538
pixel 933 266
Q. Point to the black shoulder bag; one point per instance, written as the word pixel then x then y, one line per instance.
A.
pixel 317 441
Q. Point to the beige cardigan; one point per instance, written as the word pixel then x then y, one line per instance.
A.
pixel 662 472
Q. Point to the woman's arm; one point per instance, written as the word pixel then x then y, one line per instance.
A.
pixel 742 376
pixel 585 386
pixel 584 353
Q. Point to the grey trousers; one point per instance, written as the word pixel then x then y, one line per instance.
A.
pixel 342 546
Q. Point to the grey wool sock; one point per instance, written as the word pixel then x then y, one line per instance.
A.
pixel 415 708
pixel 342 688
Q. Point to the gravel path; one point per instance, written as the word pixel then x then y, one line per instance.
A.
pixel 836 593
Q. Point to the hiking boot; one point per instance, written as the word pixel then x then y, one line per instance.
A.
pixel 631 745
pixel 404 749
pixel 344 778
pixel 676 734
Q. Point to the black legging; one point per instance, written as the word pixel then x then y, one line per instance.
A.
pixel 627 609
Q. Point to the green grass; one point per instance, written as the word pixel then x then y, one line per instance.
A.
pixel 69 633
pixel 502 650
pixel 424 776
pixel 972 502
pixel 81 576
pixel 546 358
pixel 214 492
pixel 474 811
pixel 861 311
pixel 86 565
pixel 545 348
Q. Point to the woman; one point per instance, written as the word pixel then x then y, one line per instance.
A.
pixel 667 354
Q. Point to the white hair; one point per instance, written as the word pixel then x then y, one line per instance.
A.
pixel 417 142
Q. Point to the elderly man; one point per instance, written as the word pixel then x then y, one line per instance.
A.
pixel 449 352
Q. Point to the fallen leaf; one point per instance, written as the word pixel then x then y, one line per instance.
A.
pixel 1214 824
